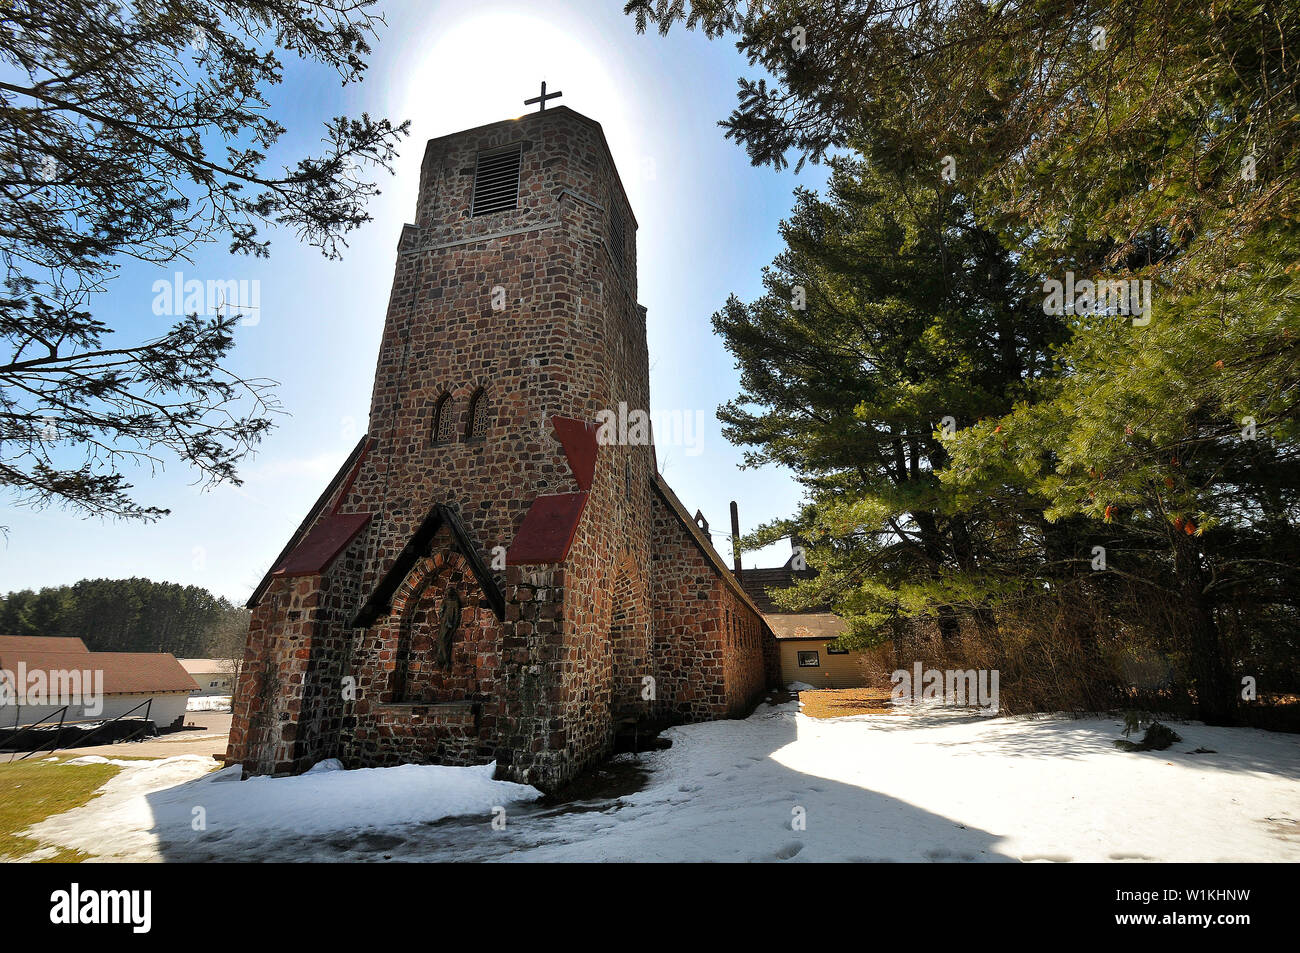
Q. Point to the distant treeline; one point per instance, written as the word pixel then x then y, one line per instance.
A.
pixel 129 615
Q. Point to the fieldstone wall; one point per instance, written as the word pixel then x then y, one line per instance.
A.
pixel 709 643
pixel 289 705
pixel 409 707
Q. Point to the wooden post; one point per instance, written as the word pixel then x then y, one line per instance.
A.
pixel 735 538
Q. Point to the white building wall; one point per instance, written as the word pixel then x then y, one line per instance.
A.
pixel 166 708
pixel 203 680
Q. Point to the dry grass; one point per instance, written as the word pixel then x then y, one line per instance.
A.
pixel 839 702
pixel 31 791
pixel 1047 654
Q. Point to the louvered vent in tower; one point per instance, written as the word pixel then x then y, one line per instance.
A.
pixel 496 181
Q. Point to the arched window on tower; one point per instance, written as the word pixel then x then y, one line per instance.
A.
pixel 442 429
pixel 479 412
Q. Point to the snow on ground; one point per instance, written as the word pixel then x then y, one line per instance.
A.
pixel 208 703
pixel 99 759
pixel 936 786
pixel 150 810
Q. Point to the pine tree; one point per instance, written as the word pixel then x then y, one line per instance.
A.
pixel 892 319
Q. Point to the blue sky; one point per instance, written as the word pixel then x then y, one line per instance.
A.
pixel 707 225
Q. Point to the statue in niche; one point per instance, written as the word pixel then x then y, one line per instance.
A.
pixel 448 623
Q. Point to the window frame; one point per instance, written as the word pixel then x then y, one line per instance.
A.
pixel 476 399
pixel 441 407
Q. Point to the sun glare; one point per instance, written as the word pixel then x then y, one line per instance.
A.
pixel 481 68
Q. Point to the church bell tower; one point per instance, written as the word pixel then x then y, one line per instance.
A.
pixel 473 584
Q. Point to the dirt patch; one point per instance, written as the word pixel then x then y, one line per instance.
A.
pixel 840 702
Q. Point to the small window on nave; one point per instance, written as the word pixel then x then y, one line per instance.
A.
pixel 479 410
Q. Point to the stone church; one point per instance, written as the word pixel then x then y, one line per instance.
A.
pixel 485 580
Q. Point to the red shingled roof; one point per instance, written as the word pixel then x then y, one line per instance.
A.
pixel 344 474
pixel 578 438
pixel 326 540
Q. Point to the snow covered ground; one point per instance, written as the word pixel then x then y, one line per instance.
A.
pixel 778 786
pixel 208 703
pixel 179 807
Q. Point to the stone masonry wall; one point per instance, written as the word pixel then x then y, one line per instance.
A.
pixel 410 709
pixel 288 706
pixel 709 644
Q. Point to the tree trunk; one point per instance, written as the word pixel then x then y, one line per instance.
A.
pixel 949 624
pixel 933 543
pixel 1216 696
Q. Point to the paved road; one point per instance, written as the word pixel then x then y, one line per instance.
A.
pixel 204 734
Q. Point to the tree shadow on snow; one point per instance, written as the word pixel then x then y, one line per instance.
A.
pixel 717 795
pixel 1248 750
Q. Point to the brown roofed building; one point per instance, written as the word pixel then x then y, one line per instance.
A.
pixel 806 641
pixel 42 675
pixel 40 643
pixel 213 676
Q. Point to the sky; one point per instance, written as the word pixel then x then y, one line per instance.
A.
pixel 707 225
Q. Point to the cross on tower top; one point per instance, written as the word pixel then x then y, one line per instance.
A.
pixel 542 98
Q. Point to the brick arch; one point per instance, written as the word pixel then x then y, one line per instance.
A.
pixel 417 675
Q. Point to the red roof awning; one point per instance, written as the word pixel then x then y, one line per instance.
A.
pixel 578 438
pixel 548 529
pixel 326 540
